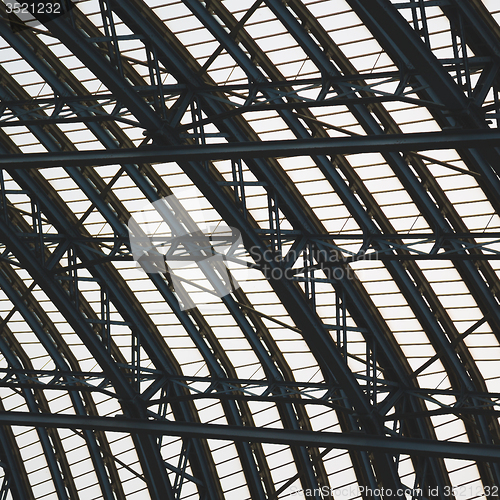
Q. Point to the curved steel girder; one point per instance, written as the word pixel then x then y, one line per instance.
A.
pixel 309 54
pixel 417 55
pixel 367 121
pixel 482 28
pixel 384 117
pixel 19 482
pixel 165 51
pixel 213 353
pixel 53 458
pixel 420 57
pixel 173 302
pixel 62 357
pixel 400 275
pixel 204 464
pixel 445 88
pixel 317 56
pixel 274 181
pixel 234 311
pixel 142 444
pixel 147 451
pixel 233 50
pixel 101 75
pixel 250 334
pixel 321 61
pixel 484 40
pixel 129 19
pixel 119 300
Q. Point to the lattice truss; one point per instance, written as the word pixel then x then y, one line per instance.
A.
pixel 352 145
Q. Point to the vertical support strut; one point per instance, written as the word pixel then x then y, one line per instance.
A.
pixel 111 36
pixel 239 185
pixel 73 276
pixel 340 307
pixel 5 487
pixel 156 81
pixel 105 319
pixel 198 127
pixel 36 217
pixel 182 464
pixel 460 53
pixel 136 358
pixel 417 6
pixel 496 91
pixel 309 281
pixel 274 221
pixel 371 371
pixel 468 83
pixel 3 197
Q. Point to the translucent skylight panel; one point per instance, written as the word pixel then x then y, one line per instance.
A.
pixel 34 460
pixel 195 37
pixel 463 476
pixel 269 126
pixel 364 53
pixel 263 17
pixel 385 184
pixel 12 401
pixel 22 138
pixel 343 17
pixel 238 8
pixel 411 118
pixel 18 67
pixel 260 293
pixel 122 447
pixel 323 419
pixel 234 485
pixel 470 195
pixel 343 118
pixel 8 54
pixel 178 18
pixel 332 115
pixel 416 125
pixel 339 468
pixel 277 456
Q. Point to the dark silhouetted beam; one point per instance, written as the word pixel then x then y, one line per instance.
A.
pixel 344 441
pixel 243 150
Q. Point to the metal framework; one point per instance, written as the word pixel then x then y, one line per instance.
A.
pixel 83 357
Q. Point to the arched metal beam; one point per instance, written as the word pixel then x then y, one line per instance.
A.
pixel 118 226
pixel 101 74
pixel 156 474
pixel 18 478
